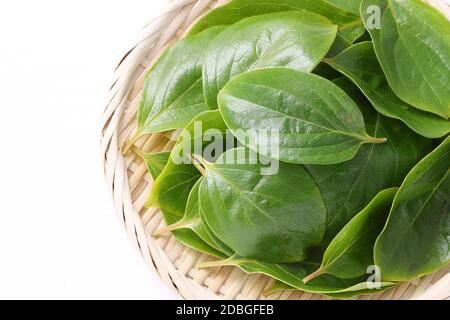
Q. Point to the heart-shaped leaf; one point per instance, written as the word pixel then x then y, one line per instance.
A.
pixel 360 64
pixel 412 42
pixel 316 122
pixel 415 241
pixel 272 218
pixel 296 39
pixel 350 254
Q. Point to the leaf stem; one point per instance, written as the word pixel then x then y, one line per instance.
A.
pixel 376 140
pixel 173 227
pixel 131 141
pixel 314 275
pixel 139 152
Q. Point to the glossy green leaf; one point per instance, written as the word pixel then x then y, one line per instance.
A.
pixel 272 218
pixel 359 63
pixel 412 43
pixel 295 39
pixel 317 122
pixel 416 239
pixel 190 238
pixel 192 220
pixel 348 187
pixel 294 273
pixel 173 91
pixel 350 253
pixel 355 290
pixel 361 289
pixel 237 10
pixel 171 189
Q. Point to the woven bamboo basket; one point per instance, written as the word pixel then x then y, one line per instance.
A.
pixel 130 184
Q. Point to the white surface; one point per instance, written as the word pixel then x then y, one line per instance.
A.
pixel 59 235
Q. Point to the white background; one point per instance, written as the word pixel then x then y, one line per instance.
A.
pixel 59 235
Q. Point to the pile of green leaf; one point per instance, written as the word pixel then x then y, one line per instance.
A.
pixel 364 154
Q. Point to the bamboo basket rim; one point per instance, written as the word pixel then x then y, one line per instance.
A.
pixel 129 184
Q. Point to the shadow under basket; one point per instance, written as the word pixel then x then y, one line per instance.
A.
pixel 130 184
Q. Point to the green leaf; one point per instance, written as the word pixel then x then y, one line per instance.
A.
pixel 293 274
pixel 155 162
pixel 296 39
pixel 192 220
pixel 358 289
pixel 216 243
pixel 415 241
pixel 171 189
pixel 360 64
pixel 351 251
pixel 413 45
pixel 272 218
pixel 189 237
pixel 348 187
pixel 237 10
pixel 316 121
pixel 173 90
pixel 361 289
